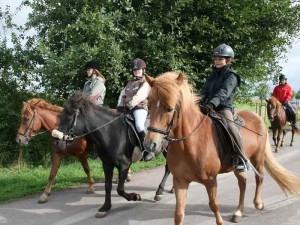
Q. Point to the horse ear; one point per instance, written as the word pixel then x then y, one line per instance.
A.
pixel 180 78
pixel 149 79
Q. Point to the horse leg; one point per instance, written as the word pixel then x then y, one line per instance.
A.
pixel 283 136
pixel 86 168
pixel 123 171
pixel 108 173
pixel 292 141
pixel 237 216
pixel 211 188
pixel 180 187
pixel 129 176
pixel 56 159
pixel 257 201
pixel 159 193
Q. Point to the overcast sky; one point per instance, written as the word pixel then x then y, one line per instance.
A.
pixel 291 67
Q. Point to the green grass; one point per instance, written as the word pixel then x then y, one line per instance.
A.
pixel 17 182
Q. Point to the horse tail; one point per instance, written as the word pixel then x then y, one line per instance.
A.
pixel 288 182
pixel 297 131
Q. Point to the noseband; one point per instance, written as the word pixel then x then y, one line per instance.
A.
pixel 31 124
pixel 170 125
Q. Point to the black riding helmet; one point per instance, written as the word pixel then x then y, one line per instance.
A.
pixel 223 50
pixel 138 64
pixel 92 65
pixel 282 77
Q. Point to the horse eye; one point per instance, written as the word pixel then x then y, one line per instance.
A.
pixel 169 109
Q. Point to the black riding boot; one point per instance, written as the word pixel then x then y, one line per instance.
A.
pixel 147 156
pixel 294 122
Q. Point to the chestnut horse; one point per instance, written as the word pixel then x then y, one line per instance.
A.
pixel 36 114
pixel 193 148
pixel 278 119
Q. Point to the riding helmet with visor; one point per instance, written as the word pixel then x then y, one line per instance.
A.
pixel 223 50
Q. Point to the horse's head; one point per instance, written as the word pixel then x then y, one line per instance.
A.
pixel 273 105
pixel 71 122
pixel 166 103
pixel 30 124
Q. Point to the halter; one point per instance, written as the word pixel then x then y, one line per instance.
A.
pixel 170 125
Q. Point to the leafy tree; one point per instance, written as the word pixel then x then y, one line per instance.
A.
pixel 169 35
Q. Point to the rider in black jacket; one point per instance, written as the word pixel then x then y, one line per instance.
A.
pixel 217 94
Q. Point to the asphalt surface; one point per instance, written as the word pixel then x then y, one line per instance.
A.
pixel 74 206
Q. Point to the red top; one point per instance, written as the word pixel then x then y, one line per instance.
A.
pixel 283 93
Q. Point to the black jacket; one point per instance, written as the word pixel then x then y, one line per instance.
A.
pixel 219 88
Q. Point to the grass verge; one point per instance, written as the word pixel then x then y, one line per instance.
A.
pixel 17 182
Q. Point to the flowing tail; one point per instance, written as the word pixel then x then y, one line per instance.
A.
pixel 288 182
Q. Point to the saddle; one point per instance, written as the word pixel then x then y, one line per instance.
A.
pixel 225 140
pixel 132 132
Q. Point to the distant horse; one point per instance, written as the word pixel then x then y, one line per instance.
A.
pixel 278 119
pixel 112 135
pixel 193 152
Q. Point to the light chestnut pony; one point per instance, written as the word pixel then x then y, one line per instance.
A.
pixel 36 114
pixel 278 119
pixel 174 113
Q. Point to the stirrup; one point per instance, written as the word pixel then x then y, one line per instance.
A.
pixel 240 164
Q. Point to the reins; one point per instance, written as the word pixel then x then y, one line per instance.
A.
pixel 71 136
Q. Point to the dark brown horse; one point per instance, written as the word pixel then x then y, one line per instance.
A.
pixel 278 119
pixel 36 114
pixel 193 149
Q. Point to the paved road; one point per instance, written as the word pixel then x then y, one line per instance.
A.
pixel 76 207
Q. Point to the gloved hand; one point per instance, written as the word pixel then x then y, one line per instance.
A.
pixel 207 108
pixel 123 109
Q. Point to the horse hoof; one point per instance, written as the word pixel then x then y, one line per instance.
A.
pixel 100 214
pixel 43 198
pixel 291 144
pixel 138 197
pixel 236 219
pixel 90 190
pixel 260 207
pixel 158 197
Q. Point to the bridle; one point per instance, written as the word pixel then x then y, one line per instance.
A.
pixel 71 135
pixel 277 111
pixel 170 125
pixel 30 127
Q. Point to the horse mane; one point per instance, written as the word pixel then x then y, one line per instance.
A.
pixel 37 102
pixel 170 91
pixel 77 101
pixel 275 102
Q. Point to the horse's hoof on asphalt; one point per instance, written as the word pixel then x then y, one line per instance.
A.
pixel 90 190
pixel 261 207
pixel 43 199
pixel 236 219
pixel 138 197
pixel 100 214
pixel 158 197
pixel 291 144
